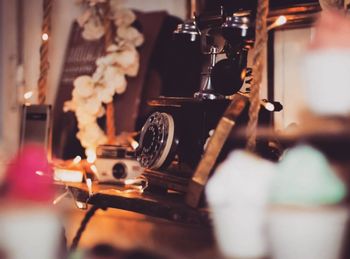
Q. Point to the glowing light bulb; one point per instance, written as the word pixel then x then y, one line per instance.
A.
pixel 270 107
pixel 278 22
pixel 76 160
pixel 281 20
pixel 39 173
pixel 89 186
pixel 45 36
pixel 93 169
pixel 134 144
pixel 28 95
pixel 90 155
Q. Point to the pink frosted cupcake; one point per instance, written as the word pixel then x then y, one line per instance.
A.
pixel 30 228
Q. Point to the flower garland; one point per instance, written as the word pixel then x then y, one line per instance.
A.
pixel 90 93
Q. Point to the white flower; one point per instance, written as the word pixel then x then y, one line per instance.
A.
pixel 93 29
pixel 69 106
pixel 77 99
pixel 133 69
pixel 123 17
pixel 115 79
pixel 101 112
pixel 107 60
pixel 110 72
pixel 121 59
pixel 92 105
pixel 105 94
pixel 112 48
pixel 120 88
pixel 130 34
pixel 84 86
pixel 83 117
pixel 97 76
pixel 129 61
pixel 91 136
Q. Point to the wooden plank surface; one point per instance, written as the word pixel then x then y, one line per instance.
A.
pixel 169 206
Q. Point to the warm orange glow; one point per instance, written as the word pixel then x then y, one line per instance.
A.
pixel 243 74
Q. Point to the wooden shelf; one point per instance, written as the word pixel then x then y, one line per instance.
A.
pixel 169 206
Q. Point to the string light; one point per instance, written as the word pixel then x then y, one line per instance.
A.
pixel 270 107
pixel 39 173
pixel 89 186
pixel 93 169
pixel 45 36
pixel 90 155
pixel 281 20
pixel 278 22
pixel 60 197
pixel 28 95
pixel 134 144
pixel 77 160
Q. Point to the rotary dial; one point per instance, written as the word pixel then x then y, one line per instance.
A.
pixel 156 139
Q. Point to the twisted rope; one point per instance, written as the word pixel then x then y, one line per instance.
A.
pixel 110 123
pixel 258 66
pixel 44 51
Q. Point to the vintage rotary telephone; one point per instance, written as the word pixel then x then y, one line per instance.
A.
pixel 173 139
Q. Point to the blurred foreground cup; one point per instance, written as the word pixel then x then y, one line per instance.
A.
pixel 237 195
pixel 30 233
pixel 239 231
pixel 326 81
pixel 307 232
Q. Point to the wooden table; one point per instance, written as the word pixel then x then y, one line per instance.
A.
pixel 169 206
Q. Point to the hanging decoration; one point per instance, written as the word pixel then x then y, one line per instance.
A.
pixel 44 50
pixel 92 93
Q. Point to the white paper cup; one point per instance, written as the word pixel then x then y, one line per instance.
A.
pixel 326 81
pixel 237 195
pixel 30 234
pixel 306 233
pixel 239 231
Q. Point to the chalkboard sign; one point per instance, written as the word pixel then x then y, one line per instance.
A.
pixel 80 60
